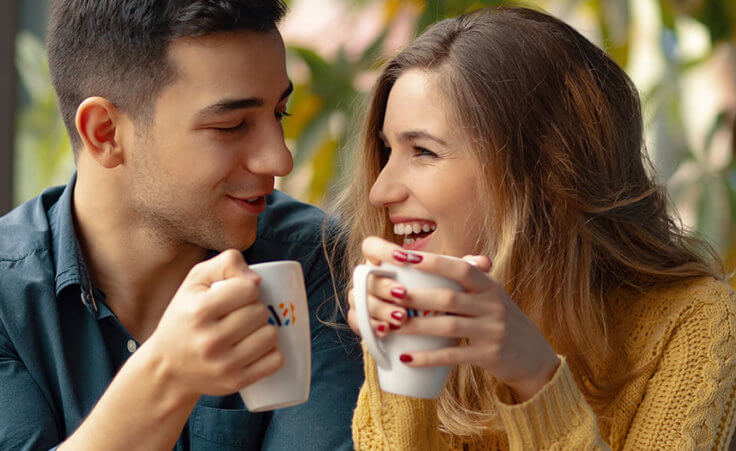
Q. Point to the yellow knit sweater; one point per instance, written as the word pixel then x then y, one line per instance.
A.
pixel 685 399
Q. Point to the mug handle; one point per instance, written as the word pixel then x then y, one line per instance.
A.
pixel 360 285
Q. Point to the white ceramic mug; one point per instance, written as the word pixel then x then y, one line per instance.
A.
pixel 395 376
pixel 282 291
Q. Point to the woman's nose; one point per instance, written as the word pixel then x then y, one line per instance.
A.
pixel 390 186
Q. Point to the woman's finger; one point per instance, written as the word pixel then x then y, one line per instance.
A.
pixel 378 249
pixel 449 326
pixel 480 261
pixel 443 357
pixel 386 312
pixel 451 301
pixel 387 289
pixel 380 328
pixel 469 276
pixel 383 311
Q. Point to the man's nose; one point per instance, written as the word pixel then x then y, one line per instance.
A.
pixel 272 156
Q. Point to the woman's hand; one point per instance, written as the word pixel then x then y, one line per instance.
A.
pixel 501 338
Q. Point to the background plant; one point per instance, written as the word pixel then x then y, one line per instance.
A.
pixel 680 53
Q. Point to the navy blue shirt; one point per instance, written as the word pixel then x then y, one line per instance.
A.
pixel 61 345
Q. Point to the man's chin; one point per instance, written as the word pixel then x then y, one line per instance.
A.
pixel 239 243
pixel 224 241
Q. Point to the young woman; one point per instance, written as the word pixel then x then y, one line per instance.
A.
pixel 589 319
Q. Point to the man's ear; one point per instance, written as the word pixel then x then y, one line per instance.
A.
pixel 97 121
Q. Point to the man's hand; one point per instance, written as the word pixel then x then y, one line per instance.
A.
pixel 214 337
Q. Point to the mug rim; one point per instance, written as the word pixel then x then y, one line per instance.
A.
pixel 274 263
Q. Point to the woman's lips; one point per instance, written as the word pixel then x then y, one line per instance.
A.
pixel 419 243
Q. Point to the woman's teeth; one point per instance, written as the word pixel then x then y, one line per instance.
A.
pixel 413 228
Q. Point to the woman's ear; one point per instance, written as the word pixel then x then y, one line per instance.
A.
pixel 97 121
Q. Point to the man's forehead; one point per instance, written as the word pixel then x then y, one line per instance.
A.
pixel 229 64
pixel 234 51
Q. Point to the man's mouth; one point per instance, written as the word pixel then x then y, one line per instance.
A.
pixel 414 231
pixel 250 205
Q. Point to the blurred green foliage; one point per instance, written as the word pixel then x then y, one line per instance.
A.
pixel 327 104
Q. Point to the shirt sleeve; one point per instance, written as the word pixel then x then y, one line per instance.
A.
pixel 323 422
pixel 26 420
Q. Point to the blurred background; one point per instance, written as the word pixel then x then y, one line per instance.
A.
pixel 680 53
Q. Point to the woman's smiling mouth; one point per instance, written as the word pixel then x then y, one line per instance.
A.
pixel 416 233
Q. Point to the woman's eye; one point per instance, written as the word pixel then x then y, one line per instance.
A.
pixel 422 152
pixel 230 129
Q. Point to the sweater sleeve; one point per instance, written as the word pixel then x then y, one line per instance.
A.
pixel 689 402
pixel 558 417
pixel 387 421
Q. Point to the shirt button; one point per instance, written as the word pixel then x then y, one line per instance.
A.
pixel 131 346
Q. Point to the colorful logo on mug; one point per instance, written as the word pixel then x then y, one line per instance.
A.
pixel 286 316
pixel 412 313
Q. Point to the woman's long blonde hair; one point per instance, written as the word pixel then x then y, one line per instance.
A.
pixel 572 213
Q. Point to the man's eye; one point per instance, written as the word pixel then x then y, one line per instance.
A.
pixel 231 129
pixel 281 115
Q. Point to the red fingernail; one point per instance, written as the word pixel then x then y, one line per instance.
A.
pixel 398 292
pixel 382 328
pixel 413 258
pixel 406 358
pixel 401 257
pixel 397 315
pixel 393 326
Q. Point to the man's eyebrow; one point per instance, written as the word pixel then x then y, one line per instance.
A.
pixel 227 105
pixel 411 135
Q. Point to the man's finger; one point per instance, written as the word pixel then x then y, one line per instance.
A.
pixel 226 296
pixel 227 264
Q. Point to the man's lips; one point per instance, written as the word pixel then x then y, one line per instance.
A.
pixel 252 205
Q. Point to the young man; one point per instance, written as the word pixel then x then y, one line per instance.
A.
pixel 111 336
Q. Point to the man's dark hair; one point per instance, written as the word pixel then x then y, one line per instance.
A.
pixel 116 49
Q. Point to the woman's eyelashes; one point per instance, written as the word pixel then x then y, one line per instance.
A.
pixel 417 151
pixel 423 152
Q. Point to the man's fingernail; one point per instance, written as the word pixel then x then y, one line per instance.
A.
pixel 401 257
pixel 397 315
pixel 406 358
pixel 398 292
pixel 413 258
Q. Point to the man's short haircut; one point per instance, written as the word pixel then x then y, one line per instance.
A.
pixel 116 49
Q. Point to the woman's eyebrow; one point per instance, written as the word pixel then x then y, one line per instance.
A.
pixel 411 135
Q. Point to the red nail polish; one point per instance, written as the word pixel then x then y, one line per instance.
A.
pixel 382 328
pixel 397 315
pixel 413 258
pixel 398 292
pixel 393 326
pixel 401 257
pixel 406 358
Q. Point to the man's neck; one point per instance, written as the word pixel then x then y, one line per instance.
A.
pixel 138 270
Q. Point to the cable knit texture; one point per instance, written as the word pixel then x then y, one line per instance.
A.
pixel 685 336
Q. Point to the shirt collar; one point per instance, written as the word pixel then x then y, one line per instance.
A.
pixel 68 259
